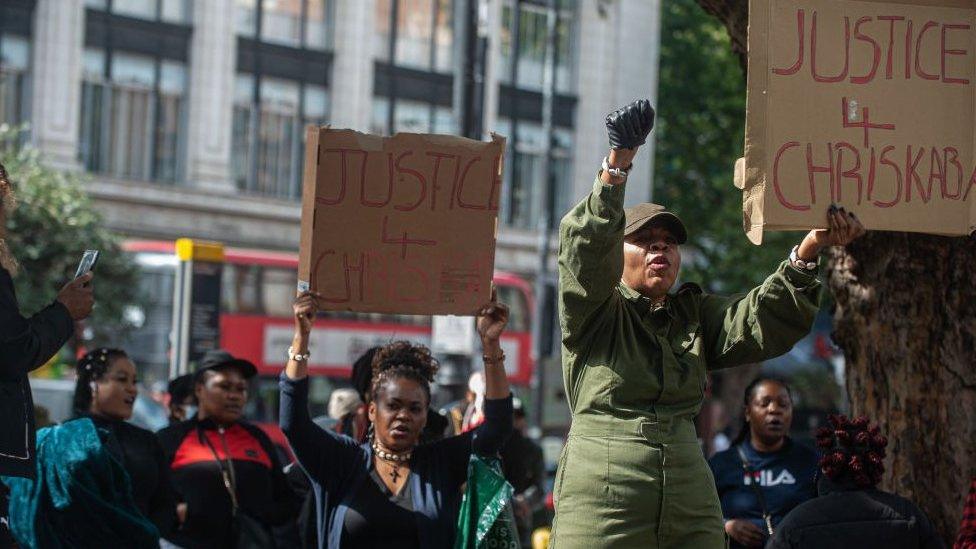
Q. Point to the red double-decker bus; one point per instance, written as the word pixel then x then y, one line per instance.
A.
pixel 257 291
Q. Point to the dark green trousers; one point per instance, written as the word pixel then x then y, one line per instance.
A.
pixel 638 483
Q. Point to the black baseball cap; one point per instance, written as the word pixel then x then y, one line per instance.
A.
pixel 180 387
pixel 638 216
pixel 218 359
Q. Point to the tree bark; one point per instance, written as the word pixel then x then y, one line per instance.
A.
pixel 906 321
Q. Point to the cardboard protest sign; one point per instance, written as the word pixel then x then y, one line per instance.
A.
pixel 404 224
pixel 866 104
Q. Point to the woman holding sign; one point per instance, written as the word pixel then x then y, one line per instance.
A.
pixel 392 491
pixel 635 358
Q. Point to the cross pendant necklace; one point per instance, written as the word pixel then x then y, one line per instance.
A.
pixel 395 460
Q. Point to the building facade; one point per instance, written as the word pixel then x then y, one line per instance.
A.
pixel 188 114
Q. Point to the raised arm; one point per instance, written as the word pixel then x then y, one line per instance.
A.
pixel 770 319
pixel 323 454
pixel 591 234
pixel 492 434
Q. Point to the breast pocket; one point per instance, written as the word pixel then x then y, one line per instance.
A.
pixel 686 339
pixel 686 345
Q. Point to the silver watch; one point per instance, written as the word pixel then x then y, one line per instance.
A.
pixel 616 172
pixel 801 264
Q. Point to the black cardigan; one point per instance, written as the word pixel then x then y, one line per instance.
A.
pixel 25 344
pixel 337 466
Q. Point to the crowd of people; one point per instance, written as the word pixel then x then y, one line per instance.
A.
pixel 391 471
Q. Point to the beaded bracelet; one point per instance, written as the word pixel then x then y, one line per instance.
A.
pixel 494 359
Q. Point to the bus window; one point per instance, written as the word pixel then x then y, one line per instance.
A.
pixel 278 291
pixel 240 289
pixel 519 315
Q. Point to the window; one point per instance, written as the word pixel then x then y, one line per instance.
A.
pixel 281 22
pixel 317 30
pixel 278 291
pixel 132 116
pixel 424 33
pixel 254 289
pixel 240 289
pixel 443 36
pixel 412 117
pixel 145 9
pixel 519 313
pixel 444 121
pixel 525 174
pixel 247 18
pixel 170 11
pixel 14 79
pixel 268 135
pixel 414 33
pixel 294 23
pixel 532 45
pixel 175 11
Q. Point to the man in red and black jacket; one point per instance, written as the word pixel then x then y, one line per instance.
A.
pixel 216 458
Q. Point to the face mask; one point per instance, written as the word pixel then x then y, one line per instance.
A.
pixel 189 410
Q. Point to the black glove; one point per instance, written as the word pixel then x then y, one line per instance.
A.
pixel 629 126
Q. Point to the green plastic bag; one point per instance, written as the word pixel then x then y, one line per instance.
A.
pixel 486 519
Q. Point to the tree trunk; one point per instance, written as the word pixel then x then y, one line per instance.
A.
pixel 906 321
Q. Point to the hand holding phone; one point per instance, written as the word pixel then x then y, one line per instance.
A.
pixel 87 264
pixel 77 295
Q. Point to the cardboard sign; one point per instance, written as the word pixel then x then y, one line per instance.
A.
pixel 865 104
pixel 404 224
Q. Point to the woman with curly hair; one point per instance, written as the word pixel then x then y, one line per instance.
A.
pixel 849 510
pixel 392 491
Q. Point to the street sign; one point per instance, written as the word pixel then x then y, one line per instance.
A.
pixel 196 302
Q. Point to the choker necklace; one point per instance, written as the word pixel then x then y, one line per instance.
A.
pixel 395 460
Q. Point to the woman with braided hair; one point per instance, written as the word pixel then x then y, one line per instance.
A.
pixel 850 512
pixel 106 393
pixel 101 481
pixel 392 491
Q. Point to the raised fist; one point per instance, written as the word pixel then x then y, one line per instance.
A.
pixel 628 127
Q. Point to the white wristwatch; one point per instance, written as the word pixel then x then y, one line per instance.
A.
pixel 297 357
pixel 801 264
pixel 616 172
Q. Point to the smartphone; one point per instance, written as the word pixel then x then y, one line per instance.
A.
pixel 88 261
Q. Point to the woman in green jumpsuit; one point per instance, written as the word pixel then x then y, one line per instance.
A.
pixel 635 358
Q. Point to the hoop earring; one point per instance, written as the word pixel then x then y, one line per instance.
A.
pixel 370 434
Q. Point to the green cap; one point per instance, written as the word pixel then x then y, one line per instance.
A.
pixel 640 215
